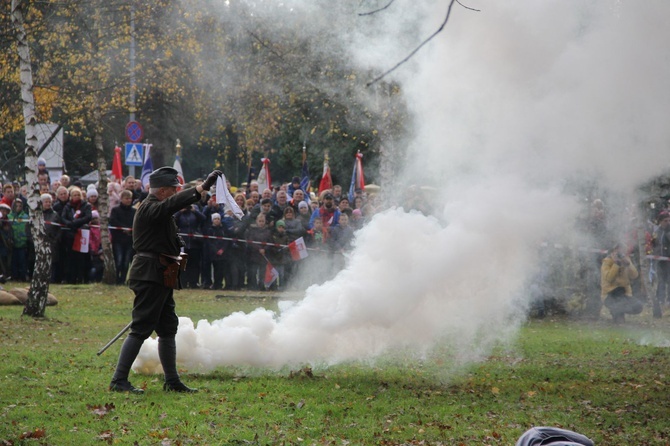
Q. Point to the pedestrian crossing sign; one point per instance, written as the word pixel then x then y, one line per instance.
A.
pixel 133 154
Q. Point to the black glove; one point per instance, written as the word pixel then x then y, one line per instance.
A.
pixel 211 179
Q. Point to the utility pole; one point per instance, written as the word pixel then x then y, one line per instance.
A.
pixel 131 169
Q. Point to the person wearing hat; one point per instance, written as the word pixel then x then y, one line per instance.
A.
pixel 152 277
pixel 328 212
pixel 92 196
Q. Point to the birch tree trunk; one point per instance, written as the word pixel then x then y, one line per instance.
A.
pixel 109 274
pixel 39 286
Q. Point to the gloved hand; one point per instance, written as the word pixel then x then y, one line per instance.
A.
pixel 211 179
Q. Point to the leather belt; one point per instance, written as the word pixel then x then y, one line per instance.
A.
pixel 153 255
pixel 149 255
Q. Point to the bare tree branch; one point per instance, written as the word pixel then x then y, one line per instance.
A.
pixel 467 7
pixel 416 50
pixel 377 10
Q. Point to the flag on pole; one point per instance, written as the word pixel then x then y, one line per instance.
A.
pixel 264 180
pixel 177 167
pixel 304 182
pixel 117 169
pixel 223 196
pixel 147 166
pixel 298 249
pixel 357 178
pixel 326 180
pixel 271 274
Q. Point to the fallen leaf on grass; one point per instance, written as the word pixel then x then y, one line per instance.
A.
pixel 37 433
pixel 101 410
pixel 495 390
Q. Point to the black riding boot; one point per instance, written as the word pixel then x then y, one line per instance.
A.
pixel 129 350
pixel 167 352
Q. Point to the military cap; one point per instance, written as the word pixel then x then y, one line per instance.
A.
pixel 164 177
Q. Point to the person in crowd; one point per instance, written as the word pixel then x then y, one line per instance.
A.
pixel 52 229
pixel 189 221
pixel 279 256
pixel 298 197
pixel 616 273
pixel 343 203
pixel 96 263
pixel 19 220
pixel 45 189
pixel 257 232
pixel 241 201
pixel 42 169
pixel 661 247
pixel 76 215
pixel 58 268
pixel 6 241
pixel 304 214
pixel 54 187
pixel 359 202
pixel 8 194
pixel 92 197
pixel 255 197
pixel 210 208
pixel 218 251
pixel 357 220
pixel 337 193
pixel 62 197
pixel 253 187
pixel 281 203
pixel 236 228
pixel 114 195
pixel 129 184
pixel 121 224
pixel 43 179
pixel 157 246
pixel 267 193
pixel 294 227
pixel 339 240
pixel 294 186
pixel 328 212
pixel 65 181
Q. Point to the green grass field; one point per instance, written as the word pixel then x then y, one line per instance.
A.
pixel 607 382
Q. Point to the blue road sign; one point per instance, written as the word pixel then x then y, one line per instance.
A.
pixel 133 154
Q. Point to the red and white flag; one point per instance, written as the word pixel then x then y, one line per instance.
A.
pixel 326 180
pixel 180 173
pixel 271 274
pixel 298 249
pixel 264 180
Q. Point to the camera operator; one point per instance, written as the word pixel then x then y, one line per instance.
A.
pixel 616 274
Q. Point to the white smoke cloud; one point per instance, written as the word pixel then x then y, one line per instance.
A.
pixel 508 102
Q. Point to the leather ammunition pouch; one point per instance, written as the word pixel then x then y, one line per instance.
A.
pixel 171 271
pixel 172 265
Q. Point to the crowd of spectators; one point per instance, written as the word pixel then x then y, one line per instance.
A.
pixel 229 253
pixel 224 252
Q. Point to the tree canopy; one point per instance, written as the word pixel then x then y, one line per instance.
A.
pixel 233 81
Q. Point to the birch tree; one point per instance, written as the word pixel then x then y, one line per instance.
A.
pixel 39 287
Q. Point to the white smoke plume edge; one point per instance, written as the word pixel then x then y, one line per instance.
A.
pixel 411 284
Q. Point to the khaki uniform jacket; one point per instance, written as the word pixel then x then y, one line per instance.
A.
pixel 155 231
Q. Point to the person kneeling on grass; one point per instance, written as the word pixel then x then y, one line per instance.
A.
pixel 616 274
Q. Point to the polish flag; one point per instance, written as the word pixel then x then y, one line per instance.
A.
pixel 298 249
pixel 271 274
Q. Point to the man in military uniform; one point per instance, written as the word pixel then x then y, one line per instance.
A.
pixel 154 274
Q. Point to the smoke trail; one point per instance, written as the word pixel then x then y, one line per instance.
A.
pixel 508 103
